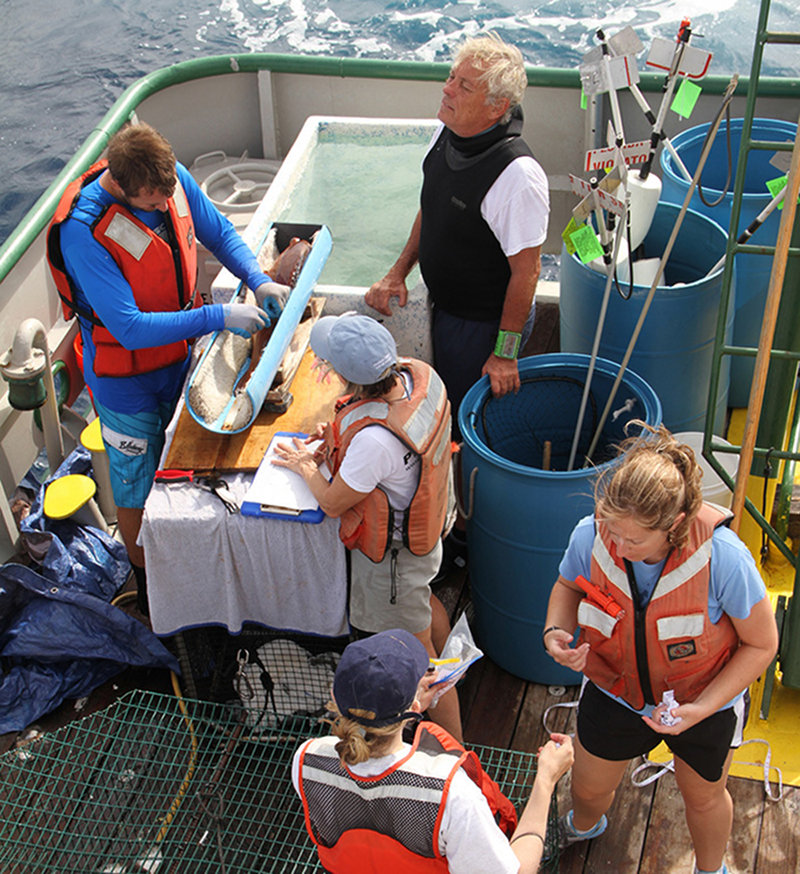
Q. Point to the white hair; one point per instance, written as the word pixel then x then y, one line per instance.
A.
pixel 503 69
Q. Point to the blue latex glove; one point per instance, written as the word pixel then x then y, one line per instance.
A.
pixel 244 318
pixel 272 297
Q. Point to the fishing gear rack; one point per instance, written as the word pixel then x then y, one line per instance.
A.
pixel 160 783
pixel 770 417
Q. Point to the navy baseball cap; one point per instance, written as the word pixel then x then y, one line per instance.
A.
pixel 380 674
pixel 356 346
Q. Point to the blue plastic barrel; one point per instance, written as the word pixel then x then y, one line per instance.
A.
pixel 675 348
pixel 752 271
pixel 522 514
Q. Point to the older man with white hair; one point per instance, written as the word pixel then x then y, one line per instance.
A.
pixel 478 234
pixel 483 218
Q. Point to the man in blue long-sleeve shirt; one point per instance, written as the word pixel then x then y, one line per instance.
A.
pixel 122 250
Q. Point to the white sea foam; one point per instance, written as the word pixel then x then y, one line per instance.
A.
pixel 409 32
pixel 48 110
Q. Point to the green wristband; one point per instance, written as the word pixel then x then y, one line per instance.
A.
pixel 507 345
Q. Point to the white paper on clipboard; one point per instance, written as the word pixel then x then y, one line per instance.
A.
pixel 280 488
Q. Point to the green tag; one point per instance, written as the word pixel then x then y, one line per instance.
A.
pixel 776 185
pixel 586 244
pixel 566 235
pixel 686 98
pixel 584 99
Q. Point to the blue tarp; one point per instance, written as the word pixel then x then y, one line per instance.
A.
pixel 59 635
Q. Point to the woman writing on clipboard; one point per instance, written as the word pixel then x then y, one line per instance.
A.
pixel 389 449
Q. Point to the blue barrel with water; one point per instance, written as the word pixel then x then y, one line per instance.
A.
pixel 522 513
pixel 752 270
pixel 675 348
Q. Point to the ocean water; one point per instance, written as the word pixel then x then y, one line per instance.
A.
pixel 64 63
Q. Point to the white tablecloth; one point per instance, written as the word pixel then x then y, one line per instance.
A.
pixel 206 566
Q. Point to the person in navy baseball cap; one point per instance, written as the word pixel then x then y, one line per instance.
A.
pixel 377 678
pixel 377 799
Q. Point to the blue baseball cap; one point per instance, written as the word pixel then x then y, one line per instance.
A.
pixel 356 346
pixel 380 674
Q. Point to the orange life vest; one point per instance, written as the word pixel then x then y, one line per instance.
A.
pixel 421 422
pixel 344 825
pixel 162 274
pixel 669 644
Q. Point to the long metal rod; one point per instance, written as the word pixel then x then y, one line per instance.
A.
pixel 664 258
pixel 771 308
pixel 752 227
pixel 610 268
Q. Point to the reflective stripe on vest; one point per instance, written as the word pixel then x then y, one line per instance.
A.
pixel 684 649
pixel 403 809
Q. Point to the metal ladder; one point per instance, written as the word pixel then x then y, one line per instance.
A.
pixel 780 362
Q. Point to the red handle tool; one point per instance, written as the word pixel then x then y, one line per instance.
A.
pixel 599 597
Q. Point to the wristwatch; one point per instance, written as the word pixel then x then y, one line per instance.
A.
pixel 507 345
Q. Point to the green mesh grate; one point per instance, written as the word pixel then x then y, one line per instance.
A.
pixel 154 784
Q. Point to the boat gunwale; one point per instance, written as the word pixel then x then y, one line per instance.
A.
pixel 38 216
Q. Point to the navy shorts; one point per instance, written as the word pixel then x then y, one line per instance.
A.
pixel 460 349
pixel 610 730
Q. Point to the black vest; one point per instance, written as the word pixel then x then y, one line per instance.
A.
pixel 462 263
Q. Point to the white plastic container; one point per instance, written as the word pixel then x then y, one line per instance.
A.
pixel 714 489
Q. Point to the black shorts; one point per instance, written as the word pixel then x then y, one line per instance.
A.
pixel 609 730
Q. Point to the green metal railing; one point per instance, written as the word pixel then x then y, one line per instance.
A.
pixel 90 150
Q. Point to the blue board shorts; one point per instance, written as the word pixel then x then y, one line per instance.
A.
pixel 133 444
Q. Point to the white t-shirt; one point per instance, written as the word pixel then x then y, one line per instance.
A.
pixel 376 457
pixel 517 206
pixel 468 836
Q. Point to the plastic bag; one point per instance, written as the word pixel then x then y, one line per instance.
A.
pixel 458 653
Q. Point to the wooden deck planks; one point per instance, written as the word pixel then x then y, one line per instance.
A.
pixel 778 845
pixel 647 832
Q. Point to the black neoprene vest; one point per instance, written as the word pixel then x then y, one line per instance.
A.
pixel 462 263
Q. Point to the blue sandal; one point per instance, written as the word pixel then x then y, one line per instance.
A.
pixel 569 835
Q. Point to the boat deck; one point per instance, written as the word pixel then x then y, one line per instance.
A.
pixel 647 831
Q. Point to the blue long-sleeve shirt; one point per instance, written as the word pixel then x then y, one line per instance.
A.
pixel 103 288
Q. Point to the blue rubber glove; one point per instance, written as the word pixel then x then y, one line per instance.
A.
pixel 272 297
pixel 244 318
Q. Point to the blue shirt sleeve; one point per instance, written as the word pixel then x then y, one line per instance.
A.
pixel 577 558
pixel 736 584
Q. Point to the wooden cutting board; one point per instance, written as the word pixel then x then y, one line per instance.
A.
pixel 195 448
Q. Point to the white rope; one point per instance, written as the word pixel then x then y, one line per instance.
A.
pixel 766 764
pixel 568 704
pixel 664 767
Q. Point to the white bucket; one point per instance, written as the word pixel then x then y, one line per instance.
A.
pixel 713 488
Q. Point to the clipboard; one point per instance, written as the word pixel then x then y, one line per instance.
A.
pixel 279 493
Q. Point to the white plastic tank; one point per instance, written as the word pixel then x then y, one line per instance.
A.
pixel 713 488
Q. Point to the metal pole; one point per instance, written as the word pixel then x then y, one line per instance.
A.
pixel 597 334
pixel 664 258
pixel 767 332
